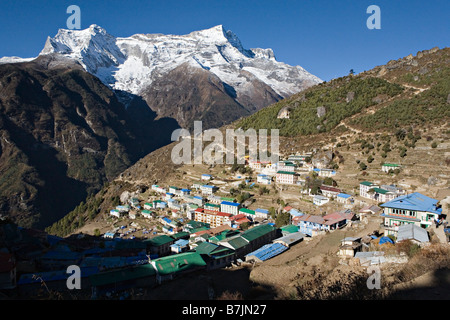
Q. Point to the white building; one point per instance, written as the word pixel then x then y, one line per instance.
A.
pixel 262 213
pixel 390 166
pixel 207 189
pixel 364 188
pixel 230 207
pixel 263 179
pixel 206 177
pixel 286 177
pixel 320 200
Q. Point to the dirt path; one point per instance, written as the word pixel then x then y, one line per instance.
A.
pixel 282 271
pixel 418 90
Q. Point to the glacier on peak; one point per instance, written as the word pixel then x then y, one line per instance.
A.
pixel 132 63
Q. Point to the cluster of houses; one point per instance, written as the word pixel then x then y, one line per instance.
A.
pixel 379 193
pixel 198 203
pixel 284 171
pixel 205 231
pixel 112 265
pixel 312 225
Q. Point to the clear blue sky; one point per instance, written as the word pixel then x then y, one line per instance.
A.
pixel 327 38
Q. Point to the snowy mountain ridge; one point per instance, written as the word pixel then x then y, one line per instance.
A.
pixel 131 64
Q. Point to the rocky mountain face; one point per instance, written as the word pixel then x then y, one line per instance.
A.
pixel 63 134
pixel 91 104
pixel 184 76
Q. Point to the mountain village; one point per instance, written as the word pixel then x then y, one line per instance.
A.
pixel 219 220
pixel 86 153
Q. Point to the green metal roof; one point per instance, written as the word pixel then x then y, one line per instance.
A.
pixel 105 278
pixel 130 244
pixel 158 240
pixel 257 232
pixel 224 235
pixel 245 210
pixel 213 250
pixel 180 235
pixel 379 190
pixel 391 165
pixel 366 183
pixel 285 172
pixel 290 228
pixel 195 230
pixel 237 242
pixel 227 199
pixel 198 224
pixel 212 205
pixel 206 248
pixel 178 263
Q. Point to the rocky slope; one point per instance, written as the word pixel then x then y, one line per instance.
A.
pixel 92 104
pixel 63 134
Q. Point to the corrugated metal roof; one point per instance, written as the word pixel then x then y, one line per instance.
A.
pixel 344 195
pixel 237 242
pixel 257 231
pixel 414 201
pixel 206 248
pixel 411 231
pixel 228 203
pixel 289 228
pixel 159 240
pixel 178 263
pixel 268 251
pixel 290 238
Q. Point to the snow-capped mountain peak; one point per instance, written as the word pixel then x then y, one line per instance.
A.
pixel 93 47
pixel 132 63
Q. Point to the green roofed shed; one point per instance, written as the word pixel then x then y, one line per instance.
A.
pixel 178 263
pixel 290 228
pixel 247 211
pixel 158 240
pixel 237 242
pixel 257 231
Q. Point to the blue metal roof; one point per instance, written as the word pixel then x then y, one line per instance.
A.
pixel 414 201
pixel 268 251
pixel 180 243
pixel 228 203
pixel 344 195
pixel 295 213
pixel 262 210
